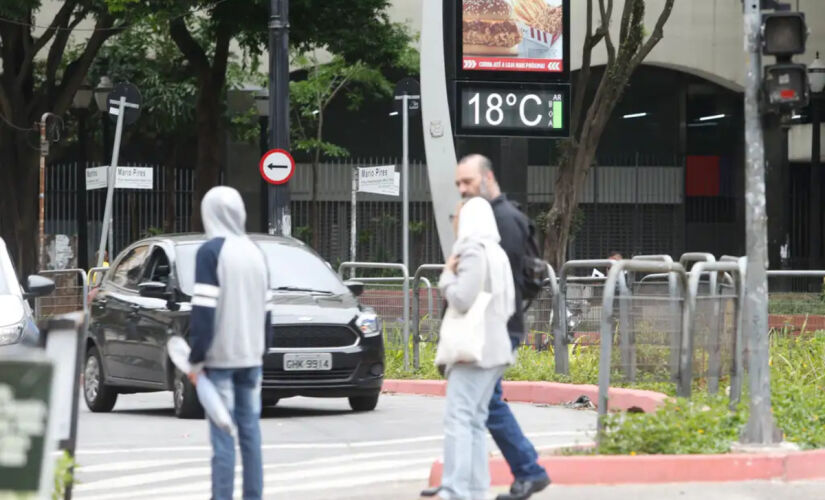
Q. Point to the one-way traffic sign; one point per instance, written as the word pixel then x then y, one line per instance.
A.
pixel 277 166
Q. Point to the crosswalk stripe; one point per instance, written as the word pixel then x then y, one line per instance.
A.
pixel 400 471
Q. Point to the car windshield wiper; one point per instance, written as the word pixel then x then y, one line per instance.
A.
pixel 300 289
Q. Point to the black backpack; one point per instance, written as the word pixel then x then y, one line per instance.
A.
pixel 533 268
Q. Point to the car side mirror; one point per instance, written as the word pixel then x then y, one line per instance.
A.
pixel 356 287
pixel 38 286
pixel 154 290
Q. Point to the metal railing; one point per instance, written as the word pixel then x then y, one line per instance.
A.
pixel 614 276
pixel 416 306
pixel 70 293
pixel 717 327
pixel 583 298
pixel 405 290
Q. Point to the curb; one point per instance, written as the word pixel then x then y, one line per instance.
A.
pixel 550 393
pixel 624 469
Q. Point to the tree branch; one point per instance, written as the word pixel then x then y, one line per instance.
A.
pixel 656 36
pixel 60 19
pixel 77 70
pixel 628 8
pixel 583 79
pixel 190 48
pixel 221 59
pixel 604 30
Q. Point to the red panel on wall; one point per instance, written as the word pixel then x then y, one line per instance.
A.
pixel 702 176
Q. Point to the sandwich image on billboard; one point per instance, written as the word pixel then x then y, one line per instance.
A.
pixel 513 35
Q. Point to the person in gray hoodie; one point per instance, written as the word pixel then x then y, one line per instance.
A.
pixel 477 263
pixel 230 323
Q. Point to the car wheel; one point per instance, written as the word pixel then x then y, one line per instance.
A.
pixel 269 400
pixel 185 397
pixel 100 398
pixel 363 403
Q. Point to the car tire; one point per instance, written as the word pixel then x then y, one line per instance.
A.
pixel 100 398
pixel 185 398
pixel 363 403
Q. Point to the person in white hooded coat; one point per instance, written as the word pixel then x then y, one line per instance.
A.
pixel 229 325
pixel 477 263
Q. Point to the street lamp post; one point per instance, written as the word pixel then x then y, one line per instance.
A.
pixel 80 103
pixel 101 95
pixel 262 107
pixel 104 87
pixel 280 221
pixel 816 77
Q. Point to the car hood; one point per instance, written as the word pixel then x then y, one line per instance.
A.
pixel 292 308
pixel 11 310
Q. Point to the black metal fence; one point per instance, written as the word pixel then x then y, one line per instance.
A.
pixel 633 204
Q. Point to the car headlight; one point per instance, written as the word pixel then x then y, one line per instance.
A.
pixel 11 334
pixel 369 324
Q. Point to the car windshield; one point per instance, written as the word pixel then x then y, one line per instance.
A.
pixel 291 268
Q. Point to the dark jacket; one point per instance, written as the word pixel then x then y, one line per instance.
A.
pixel 514 229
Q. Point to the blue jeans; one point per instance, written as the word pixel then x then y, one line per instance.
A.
pixel 520 454
pixel 240 390
pixel 466 471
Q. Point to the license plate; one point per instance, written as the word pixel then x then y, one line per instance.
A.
pixel 308 362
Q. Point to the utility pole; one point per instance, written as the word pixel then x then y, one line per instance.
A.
pixel 760 429
pixel 280 221
pixel 41 233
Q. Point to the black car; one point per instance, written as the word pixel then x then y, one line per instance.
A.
pixel 325 344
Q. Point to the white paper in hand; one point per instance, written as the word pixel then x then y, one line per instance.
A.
pixel 207 394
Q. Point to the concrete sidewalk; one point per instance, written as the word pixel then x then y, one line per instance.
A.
pixel 751 490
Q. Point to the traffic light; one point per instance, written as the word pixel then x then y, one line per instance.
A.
pixel 785 84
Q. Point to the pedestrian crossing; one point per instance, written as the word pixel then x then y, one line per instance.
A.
pixel 311 470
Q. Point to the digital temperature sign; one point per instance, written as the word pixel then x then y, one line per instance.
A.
pixel 516 109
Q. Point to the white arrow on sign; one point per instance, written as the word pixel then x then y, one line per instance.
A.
pixel 277 166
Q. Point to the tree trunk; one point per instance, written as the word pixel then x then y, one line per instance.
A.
pixel 207 167
pixel 19 179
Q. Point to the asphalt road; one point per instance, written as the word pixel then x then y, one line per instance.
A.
pixel 313 448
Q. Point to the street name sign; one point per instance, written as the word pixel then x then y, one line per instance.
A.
pixel 379 180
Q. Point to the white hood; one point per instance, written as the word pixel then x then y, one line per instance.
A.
pixel 11 310
pixel 223 213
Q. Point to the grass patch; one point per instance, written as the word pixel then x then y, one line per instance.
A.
pixel 703 424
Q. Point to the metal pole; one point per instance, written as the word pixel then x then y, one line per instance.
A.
pixel 280 221
pixel 815 207
pixel 761 428
pixel 80 187
pixel 110 188
pixel 353 231
pixel 405 181
pixel 44 151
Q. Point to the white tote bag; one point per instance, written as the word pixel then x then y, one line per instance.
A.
pixel 461 337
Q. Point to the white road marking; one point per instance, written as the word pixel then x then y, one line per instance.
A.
pixel 302 446
pixel 401 470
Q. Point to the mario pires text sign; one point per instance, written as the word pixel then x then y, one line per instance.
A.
pixel 125 177
pixel 379 180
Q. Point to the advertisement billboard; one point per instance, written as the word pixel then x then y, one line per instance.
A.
pixel 513 37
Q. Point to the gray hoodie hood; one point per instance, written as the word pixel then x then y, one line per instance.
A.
pixel 223 213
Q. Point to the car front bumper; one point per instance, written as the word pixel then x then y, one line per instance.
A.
pixel 356 371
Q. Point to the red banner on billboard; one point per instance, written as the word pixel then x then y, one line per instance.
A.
pixel 512 64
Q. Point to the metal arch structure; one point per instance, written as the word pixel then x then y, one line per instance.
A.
pixel 435 114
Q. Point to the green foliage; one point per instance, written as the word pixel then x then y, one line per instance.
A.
pixel 704 424
pixel 304 233
pixel 310 97
pixel 62 475
pixel 701 425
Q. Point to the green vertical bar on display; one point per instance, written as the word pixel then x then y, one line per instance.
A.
pixel 557 114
